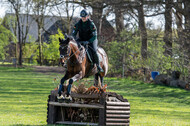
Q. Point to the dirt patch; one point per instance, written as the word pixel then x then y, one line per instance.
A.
pixel 48 69
pixel 42 69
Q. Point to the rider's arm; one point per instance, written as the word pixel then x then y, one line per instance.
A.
pixel 94 32
pixel 75 30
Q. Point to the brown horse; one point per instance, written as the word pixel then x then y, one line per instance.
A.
pixel 78 63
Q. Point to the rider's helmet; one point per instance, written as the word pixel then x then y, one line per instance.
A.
pixel 83 13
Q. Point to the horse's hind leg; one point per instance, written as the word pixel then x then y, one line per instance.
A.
pixel 102 81
pixel 96 76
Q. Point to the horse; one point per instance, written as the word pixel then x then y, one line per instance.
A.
pixel 78 64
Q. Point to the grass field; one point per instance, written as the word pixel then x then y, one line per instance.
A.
pixel 23 99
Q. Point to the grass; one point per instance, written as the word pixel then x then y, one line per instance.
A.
pixel 154 105
pixel 23 99
pixel 23 96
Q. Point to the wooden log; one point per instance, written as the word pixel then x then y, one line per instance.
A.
pixel 117 112
pixel 76 123
pixel 117 107
pixel 117 116
pixel 84 96
pixel 98 106
pixel 117 124
pixel 119 97
pixel 116 120
pixel 52 110
pixel 118 103
pixel 102 112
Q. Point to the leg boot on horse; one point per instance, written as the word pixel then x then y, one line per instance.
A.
pixel 61 86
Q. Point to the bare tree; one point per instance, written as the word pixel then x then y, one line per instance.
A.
pixel 143 31
pixel 22 23
pixel 39 10
pixel 168 28
pixel 65 9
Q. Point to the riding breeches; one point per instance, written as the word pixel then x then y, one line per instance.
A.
pixel 93 48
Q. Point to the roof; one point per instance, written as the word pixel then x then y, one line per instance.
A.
pixel 33 26
pixel 51 25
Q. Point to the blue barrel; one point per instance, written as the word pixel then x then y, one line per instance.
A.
pixel 154 74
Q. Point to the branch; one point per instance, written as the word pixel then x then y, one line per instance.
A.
pixel 156 14
pixel 179 9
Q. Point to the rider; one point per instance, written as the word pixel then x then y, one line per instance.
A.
pixel 87 35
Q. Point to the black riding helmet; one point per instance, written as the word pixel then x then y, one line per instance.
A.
pixel 83 13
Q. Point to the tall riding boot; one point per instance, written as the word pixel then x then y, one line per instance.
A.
pixel 96 61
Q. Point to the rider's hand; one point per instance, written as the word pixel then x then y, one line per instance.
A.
pixel 85 42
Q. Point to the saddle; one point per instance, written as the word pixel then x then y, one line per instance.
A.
pixel 86 51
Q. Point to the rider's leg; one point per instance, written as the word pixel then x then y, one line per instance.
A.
pixel 93 47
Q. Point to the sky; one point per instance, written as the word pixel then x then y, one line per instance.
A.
pixel 2 11
pixel 157 20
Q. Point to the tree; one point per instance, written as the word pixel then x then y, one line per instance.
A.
pixel 22 23
pixel 52 50
pixel 17 8
pixel 143 31
pixel 168 28
pixel 65 8
pixel 39 8
pixel 5 36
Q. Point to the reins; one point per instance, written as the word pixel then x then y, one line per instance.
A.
pixel 72 55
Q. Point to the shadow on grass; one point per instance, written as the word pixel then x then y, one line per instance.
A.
pixel 29 125
pixel 44 125
pixel 140 89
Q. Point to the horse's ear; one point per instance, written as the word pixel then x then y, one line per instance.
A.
pixel 61 41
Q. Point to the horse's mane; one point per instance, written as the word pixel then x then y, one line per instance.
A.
pixel 71 40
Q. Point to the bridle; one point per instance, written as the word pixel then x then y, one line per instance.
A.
pixel 65 57
pixel 68 55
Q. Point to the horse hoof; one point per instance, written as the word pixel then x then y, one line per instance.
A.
pixel 62 99
pixel 69 98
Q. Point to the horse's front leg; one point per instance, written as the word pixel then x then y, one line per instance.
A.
pixel 73 79
pixel 61 86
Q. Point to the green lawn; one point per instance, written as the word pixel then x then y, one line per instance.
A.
pixel 23 99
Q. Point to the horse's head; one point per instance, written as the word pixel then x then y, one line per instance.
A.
pixel 64 50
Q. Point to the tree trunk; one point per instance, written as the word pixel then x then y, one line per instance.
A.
pixel 97 10
pixel 168 28
pixel 68 18
pixel 187 27
pixel 119 20
pixel 40 45
pixel 143 31
pixel 179 19
pixel 19 39
pixel 187 32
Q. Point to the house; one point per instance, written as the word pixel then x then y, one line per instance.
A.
pixel 51 25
